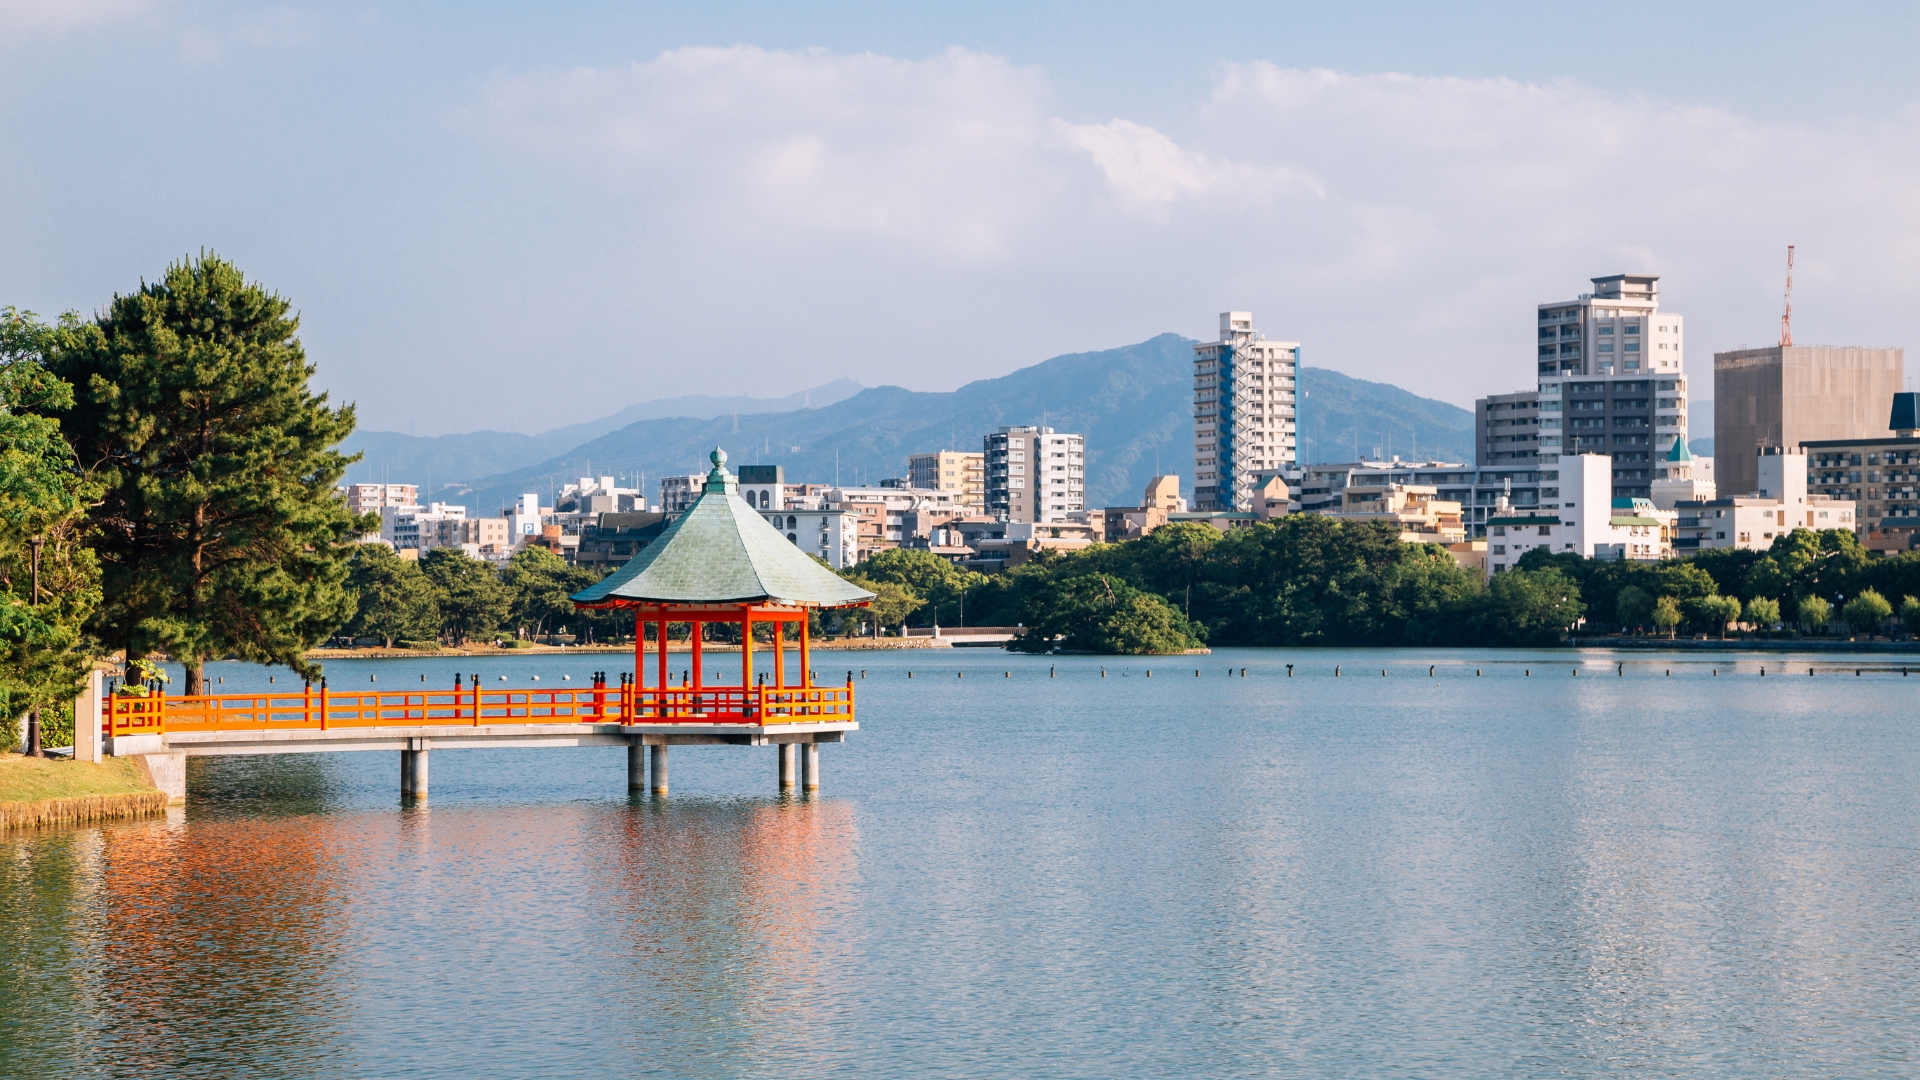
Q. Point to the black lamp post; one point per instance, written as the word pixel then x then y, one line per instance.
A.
pixel 33 714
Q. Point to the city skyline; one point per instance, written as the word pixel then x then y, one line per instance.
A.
pixel 461 204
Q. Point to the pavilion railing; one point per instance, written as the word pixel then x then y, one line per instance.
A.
pixel 321 709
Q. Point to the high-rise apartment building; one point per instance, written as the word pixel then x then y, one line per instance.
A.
pixel 1612 380
pixel 1784 396
pixel 962 473
pixel 372 498
pixel 1243 412
pixel 1507 429
pixel 1034 474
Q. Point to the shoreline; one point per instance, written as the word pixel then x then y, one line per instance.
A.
pixel 840 645
pixel 56 792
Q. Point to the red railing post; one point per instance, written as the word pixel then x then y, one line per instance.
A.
pixel 323 703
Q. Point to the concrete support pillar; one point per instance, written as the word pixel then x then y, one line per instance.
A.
pixel 86 718
pixel 168 772
pixel 413 770
pixel 659 770
pixel 420 771
pixel 786 765
pixel 636 766
pixel 406 774
pixel 810 766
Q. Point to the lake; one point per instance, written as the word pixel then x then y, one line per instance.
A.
pixel 1501 869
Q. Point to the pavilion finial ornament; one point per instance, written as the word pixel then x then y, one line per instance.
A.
pixel 720 481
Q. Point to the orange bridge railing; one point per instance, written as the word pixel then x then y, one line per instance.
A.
pixel 321 709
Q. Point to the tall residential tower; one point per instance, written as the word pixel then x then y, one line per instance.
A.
pixel 1612 380
pixel 1243 412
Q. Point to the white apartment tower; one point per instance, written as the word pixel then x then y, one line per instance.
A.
pixel 1612 380
pixel 1243 412
pixel 1034 474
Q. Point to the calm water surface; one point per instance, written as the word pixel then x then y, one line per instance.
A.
pixel 1515 873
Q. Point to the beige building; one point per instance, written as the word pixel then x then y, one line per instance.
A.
pixel 1158 503
pixel 1881 475
pixel 1789 395
pixel 962 473
pixel 1414 509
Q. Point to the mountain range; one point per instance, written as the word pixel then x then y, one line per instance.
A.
pixel 1134 405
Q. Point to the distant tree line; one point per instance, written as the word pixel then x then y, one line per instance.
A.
pixel 1302 580
pixel 447 597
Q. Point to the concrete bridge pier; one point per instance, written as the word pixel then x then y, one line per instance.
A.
pixel 659 769
pixel 636 765
pixel 413 769
pixel 787 756
pixel 810 766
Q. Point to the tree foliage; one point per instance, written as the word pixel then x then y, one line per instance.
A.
pixel 44 650
pixel 219 528
pixel 393 599
pixel 1091 613
pixel 473 602
pixel 1866 611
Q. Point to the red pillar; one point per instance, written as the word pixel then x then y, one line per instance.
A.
pixel 663 665
pixel 780 652
pixel 699 631
pixel 639 663
pixel 746 647
pixel 806 664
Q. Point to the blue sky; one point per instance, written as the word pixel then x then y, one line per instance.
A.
pixel 516 216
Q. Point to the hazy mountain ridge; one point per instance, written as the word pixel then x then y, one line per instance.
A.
pixel 432 460
pixel 1134 404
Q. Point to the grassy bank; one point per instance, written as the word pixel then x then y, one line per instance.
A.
pixel 44 791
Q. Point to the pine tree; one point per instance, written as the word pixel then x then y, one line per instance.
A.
pixel 220 531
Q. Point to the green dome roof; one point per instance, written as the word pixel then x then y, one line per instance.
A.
pixel 721 551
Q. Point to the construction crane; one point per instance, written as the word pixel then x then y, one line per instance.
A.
pixel 1786 317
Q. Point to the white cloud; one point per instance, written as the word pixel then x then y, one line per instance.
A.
pixel 1401 227
pixel 24 19
pixel 1147 172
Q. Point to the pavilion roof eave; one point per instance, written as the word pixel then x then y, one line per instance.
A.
pixel 712 605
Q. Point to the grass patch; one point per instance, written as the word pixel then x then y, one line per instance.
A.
pixel 24 779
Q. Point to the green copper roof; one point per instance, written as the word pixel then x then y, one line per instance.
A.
pixel 1680 451
pixel 721 551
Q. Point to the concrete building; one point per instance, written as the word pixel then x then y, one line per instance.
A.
pixel 526 518
pixel 1881 475
pixel 764 486
pixel 832 535
pixel 1678 477
pixel 1479 490
pixel 1507 429
pixel 1781 503
pixel 1414 509
pixel 372 498
pixel 1160 500
pixel 1588 519
pixel 1612 369
pixel 1792 395
pixel 878 516
pixel 597 495
pixel 677 493
pixel 1244 389
pixel 962 473
pixel 1034 474
pixel 614 538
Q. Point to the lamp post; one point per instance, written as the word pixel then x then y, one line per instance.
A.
pixel 33 715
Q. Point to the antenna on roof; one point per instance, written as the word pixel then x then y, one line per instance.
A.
pixel 1786 317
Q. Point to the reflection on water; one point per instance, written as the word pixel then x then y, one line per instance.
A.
pixel 1506 874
